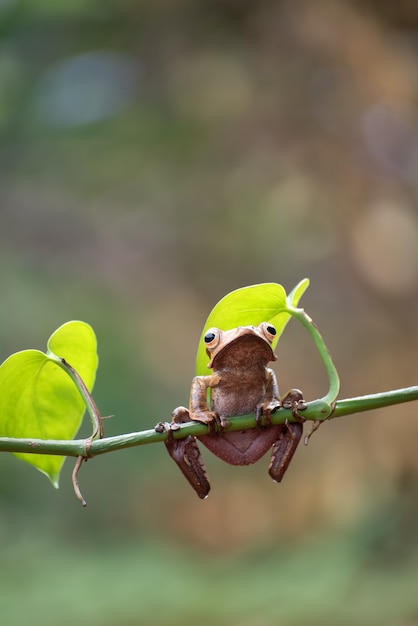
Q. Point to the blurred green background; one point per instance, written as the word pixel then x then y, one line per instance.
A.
pixel 154 156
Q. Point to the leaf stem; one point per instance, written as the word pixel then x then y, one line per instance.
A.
pixel 334 380
pixel 91 406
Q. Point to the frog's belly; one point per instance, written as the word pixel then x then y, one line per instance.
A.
pixel 242 447
pixel 239 398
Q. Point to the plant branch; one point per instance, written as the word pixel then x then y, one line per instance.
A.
pixel 375 401
pixel 316 410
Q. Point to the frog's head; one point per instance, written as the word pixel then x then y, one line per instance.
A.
pixel 240 347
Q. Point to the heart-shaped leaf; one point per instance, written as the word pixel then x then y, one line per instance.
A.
pixel 251 305
pixel 39 400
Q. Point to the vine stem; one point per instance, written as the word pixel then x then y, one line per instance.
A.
pixel 317 410
pixel 333 379
pixel 91 406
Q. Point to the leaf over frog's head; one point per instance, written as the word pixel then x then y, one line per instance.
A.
pixel 39 400
pixel 266 302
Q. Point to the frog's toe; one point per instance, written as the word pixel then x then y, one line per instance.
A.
pixel 224 422
pixel 216 424
pixel 167 427
pixel 263 415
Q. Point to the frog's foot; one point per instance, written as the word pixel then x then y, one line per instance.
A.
pixel 185 452
pixel 215 422
pixel 294 401
pixel 180 415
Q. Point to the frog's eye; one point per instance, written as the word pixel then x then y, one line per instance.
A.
pixel 269 330
pixel 212 337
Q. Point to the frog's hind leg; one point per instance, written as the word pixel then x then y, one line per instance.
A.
pixel 284 449
pixel 185 452
pixel 291 433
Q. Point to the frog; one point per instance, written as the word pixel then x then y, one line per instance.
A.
pixel 240 384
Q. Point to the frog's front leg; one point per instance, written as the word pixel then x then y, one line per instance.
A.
pixel 199 410
pixel 185 452
pixel 290 435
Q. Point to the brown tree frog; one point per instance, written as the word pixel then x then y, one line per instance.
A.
pixel 240 383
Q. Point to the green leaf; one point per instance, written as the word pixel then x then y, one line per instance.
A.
pixel 297 292
pixel 76 342
pixel 251 305
pixel 39 400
